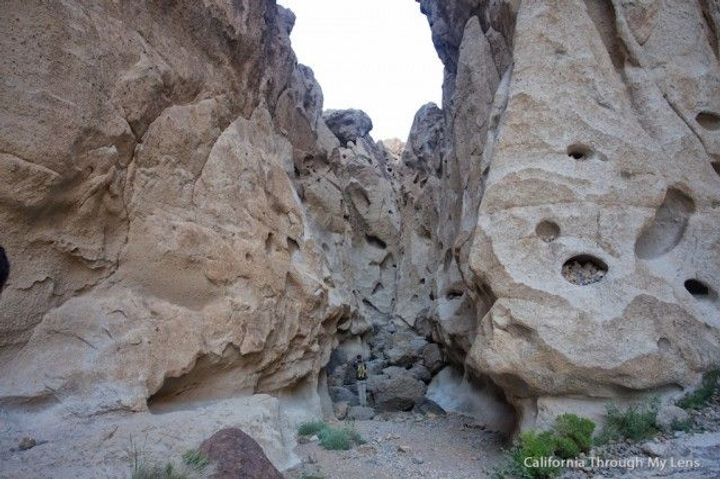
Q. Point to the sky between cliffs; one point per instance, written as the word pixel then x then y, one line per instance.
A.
pixel 375 55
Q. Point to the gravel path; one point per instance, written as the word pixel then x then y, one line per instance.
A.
pixel 405 446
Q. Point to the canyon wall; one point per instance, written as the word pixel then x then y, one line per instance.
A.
pixel 580 194
pixel 185 223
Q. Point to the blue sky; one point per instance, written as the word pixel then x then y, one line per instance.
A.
pixel 376 55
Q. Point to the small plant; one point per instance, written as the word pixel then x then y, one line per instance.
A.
pixel 577 429
pixel 684 426
pixel 570 436
pixel 701 396
pixel 311 476
pixel 312 428
pixel 535 446
pixel 156 471
pixel 635 423
pixel 195 460
pixel 331 438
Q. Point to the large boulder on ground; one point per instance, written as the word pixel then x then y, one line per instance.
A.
pixel 360 413
pixel 396 390
pixel 348 125
pixel 235 455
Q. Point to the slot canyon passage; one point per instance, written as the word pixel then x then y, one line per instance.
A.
pixel 195 244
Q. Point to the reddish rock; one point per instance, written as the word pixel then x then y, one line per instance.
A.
pixel 236 455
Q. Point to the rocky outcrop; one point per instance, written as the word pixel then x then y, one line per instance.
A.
pixel 583 223
pixel 186 224
pixel 161 250
pixel 235 455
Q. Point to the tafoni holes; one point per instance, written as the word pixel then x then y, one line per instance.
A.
pixel 584 269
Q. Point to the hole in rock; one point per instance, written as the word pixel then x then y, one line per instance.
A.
pixel 663 344
pixel 547 230
pixel 293 245
pixel 454 294
pixel 697 288
pixel 375 241
pixel 579 152
pixel 269 243
pixel 667 227
pixel 708 120
pixel 716 166
pixel 584 269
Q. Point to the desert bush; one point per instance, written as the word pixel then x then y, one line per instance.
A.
pixel 144 470
pixel 332 438
pixel 312 428
pixel 577 429
pixel 195 459
pixel 701 396
pixel 570 436
pixel 635 423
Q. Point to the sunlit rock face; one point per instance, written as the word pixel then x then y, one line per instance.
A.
pixel 584 219
pixel 184 225
pixel 160 249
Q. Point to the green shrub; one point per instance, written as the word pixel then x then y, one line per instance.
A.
pixel 701 396
pixel 684 426
pixel 565 448
pixel 635 423
pixel 535 446
pixel 156 471
pixel 339 439
pixel 312 428
pixel 195 459
pixel 578 429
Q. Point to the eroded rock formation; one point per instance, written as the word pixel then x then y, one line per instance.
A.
pixel 185 224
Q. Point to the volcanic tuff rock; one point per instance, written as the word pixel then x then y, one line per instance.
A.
pixel 585 132
pixel 184 223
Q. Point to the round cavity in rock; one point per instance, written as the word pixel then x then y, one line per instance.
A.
pixel 579 152
pixel 697 288
pixel 547 230
pixel 663 344
pixel 716 166
pixel 584 269
pixel 708 120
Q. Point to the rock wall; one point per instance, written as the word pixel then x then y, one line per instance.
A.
pixel 160 249
pixel 186 224
pixel 580 195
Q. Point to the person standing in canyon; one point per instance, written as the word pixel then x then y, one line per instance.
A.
pixel 4 268
pixel 361 377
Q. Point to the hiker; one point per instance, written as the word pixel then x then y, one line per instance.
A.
pixel 361 377
pixel 4 268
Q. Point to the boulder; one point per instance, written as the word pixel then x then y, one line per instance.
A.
pixel 428 406
pixel 669 415
pixel 360 413
pixel 341 409
pixel 343 394
pixel 432 357
pixel 395 390
pixel 348 125
pixel 235 455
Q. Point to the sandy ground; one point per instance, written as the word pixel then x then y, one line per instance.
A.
pixel 408 446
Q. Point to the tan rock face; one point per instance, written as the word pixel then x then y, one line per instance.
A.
pixel 597 228
pixel 183 224
pixel 159 246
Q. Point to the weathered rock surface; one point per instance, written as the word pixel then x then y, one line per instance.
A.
pixel 185 224
pixel 396 389
pixel 348 125
pixel 235 455
pixel 576 250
